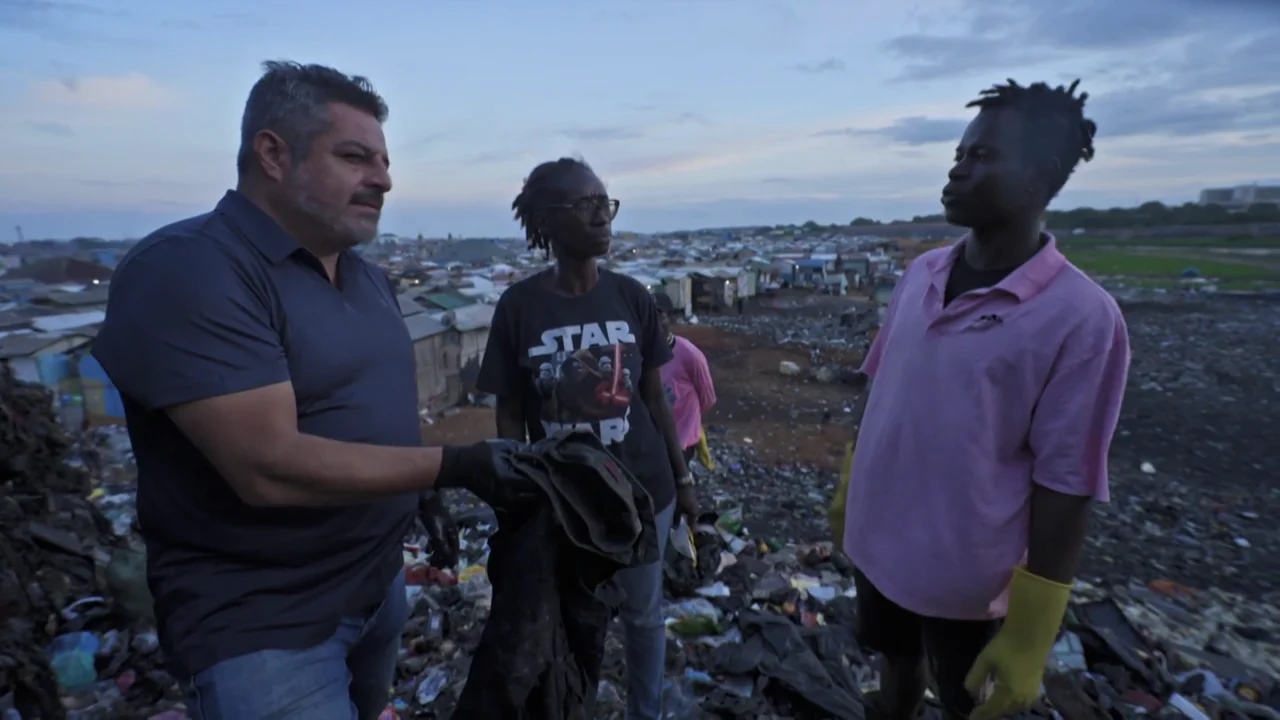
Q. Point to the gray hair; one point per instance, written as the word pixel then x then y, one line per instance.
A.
pixel 292 99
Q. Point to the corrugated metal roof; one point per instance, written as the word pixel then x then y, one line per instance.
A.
pixel 422 326
pixel 447 300
pixel 9 320
pixel 722 273
pixel 472 317
pixel 68 321
pixel 408 306
pixel 24 345
pixel 91 295
pixel 29 344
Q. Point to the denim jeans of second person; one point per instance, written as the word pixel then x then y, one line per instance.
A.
pixel 644 633
pixel 347 677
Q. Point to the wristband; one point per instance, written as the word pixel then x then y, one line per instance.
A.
pixel 687 481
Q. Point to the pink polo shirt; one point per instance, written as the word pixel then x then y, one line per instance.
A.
pixel 970 405
pixel 687 380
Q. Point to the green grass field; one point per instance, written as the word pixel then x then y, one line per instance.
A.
pixel 1135 262
pixel 1234 284
pixel 1241 243
pixel 1160 262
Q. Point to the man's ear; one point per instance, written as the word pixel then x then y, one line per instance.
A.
pixel 273 154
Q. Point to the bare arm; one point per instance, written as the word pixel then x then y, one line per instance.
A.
pixel 1070 438
pixel 1058 525
pixel 509 417
pixel 656 399
pixel 252 439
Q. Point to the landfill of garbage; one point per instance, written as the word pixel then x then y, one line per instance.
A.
pixel 759 608
pixel 77 639
pixel 822 330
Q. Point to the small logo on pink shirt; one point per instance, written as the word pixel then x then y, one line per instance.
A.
pixel 982 322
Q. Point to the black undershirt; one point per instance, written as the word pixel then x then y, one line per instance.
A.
pixel 964 277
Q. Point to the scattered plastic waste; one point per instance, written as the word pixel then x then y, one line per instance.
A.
pixel 1175 615
pixel 72 658
pixel 1067 654
pixel 430 686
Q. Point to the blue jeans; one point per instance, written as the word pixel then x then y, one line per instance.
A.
pixel 644 633
pixel 347 677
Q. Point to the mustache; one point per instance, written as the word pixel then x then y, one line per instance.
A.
pixel 371 198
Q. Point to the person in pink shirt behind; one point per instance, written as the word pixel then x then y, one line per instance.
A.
pixel 996 383
pixel 687 379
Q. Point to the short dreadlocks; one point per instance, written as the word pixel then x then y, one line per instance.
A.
pixel 539 192
pixel 1054 114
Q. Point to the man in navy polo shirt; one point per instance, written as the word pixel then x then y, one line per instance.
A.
pixel 270 394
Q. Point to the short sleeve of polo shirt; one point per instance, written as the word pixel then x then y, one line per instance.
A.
pixel 184 323
pixel 1077 413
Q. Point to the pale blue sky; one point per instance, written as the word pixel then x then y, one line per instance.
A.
pixel 119 115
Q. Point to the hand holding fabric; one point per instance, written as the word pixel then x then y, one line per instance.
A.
pixel 1015 657
pixel 484 469
pixel 443 544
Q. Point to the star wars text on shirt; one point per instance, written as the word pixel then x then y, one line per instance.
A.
pixel 583 378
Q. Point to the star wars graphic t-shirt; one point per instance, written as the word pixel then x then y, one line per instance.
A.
pixel 576 362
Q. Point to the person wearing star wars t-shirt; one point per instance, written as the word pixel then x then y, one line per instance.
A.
pixel 575 346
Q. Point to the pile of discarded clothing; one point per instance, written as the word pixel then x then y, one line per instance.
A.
pixel 73 635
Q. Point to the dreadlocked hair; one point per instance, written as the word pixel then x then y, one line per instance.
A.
pixel 538 192
pixel 1056 114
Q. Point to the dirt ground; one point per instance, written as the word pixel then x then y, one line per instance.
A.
pixel 464 425
pixel 785 419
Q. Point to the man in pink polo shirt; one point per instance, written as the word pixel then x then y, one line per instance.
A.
pixel 997 378
pixel 687 380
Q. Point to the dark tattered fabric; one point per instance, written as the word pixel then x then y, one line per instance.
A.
pixel 552 570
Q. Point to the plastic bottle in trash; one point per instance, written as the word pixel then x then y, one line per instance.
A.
pixel 429 687
pixel 71 657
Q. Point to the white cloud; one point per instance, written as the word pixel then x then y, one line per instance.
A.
pixel 134 91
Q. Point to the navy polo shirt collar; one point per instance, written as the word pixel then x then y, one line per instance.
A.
pixel 256 226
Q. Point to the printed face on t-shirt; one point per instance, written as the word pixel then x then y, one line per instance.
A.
pixel 584 376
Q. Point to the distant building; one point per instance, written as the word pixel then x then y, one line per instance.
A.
pixel 439 386
pixel 472 252
pixel 61 271
pixel 1241 197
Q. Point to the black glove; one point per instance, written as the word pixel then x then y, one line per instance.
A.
pixel 485 469
pixel 443 545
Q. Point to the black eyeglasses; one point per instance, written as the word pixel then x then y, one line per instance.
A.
pixel 587 207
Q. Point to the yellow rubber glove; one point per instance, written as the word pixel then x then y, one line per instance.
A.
pixel 704 452
pixel 835 514
pixel 1015 657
